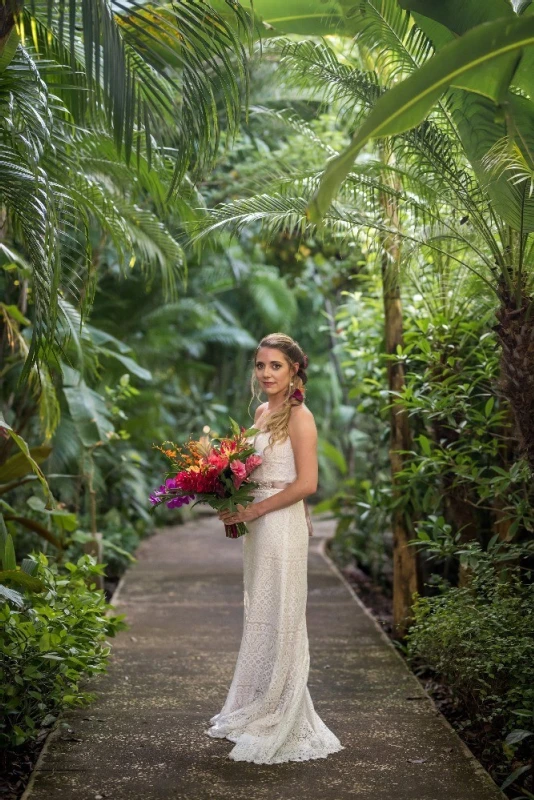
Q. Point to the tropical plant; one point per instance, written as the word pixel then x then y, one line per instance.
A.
pixel 94 95
pixel 480 640
pixel 419 189
pixel 487 74
pixel 49 646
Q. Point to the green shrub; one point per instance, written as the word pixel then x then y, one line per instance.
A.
pixel 480 640
pixel 49 645
pixel 120 539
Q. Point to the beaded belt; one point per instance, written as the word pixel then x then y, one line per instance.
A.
pixel 282 485
pixel 272 484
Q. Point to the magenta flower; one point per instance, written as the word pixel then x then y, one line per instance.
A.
pixel 297 395
pixel 157 494
pixel 177 502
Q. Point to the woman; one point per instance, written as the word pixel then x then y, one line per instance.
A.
pixel 268 712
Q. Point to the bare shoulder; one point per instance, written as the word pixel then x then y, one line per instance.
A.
pixel 259 411
pixel 302 421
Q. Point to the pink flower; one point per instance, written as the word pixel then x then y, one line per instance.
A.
pixel 218 460
pixel 252 462
pixel 240 472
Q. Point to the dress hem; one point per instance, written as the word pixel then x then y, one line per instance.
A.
pixel 283 760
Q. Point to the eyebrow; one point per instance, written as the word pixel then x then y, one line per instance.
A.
pixel 272 362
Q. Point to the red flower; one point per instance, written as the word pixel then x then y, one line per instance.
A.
pixel 200 482
pixel 218 460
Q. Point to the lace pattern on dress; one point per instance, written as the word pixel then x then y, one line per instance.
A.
pixel 268 712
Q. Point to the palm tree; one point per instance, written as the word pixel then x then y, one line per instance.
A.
pixel 489 110
pixel 94 93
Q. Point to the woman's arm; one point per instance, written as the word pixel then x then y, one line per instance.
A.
pixel 303 435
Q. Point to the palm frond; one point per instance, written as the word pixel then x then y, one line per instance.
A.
pixel 506 156
pixel 143 62
pixel 274 213
pixel 389 32
pixel 25 193
pixel 318 68
pixel 154 245
pixel 294 122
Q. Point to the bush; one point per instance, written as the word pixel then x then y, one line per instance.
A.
pixel 49 645
pixel 120 539
pixel 480 639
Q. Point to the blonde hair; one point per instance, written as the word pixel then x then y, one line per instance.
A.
pixel 278 421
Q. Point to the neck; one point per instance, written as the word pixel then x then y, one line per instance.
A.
pixel 275 405
pixel 277 400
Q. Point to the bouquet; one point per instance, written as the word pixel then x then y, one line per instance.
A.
pixel 216 475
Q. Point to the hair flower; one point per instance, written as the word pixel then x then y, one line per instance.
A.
pixel 297 395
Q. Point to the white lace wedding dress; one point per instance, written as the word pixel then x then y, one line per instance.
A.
pixel 269 712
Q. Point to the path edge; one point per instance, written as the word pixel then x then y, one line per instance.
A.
pixel 477 766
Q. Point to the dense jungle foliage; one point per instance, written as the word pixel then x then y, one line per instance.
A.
pixel 164 206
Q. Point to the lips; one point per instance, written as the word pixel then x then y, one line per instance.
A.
pixel 268 384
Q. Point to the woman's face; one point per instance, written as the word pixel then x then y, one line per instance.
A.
pixel 273 371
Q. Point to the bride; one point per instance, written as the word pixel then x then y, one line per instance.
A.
pixel 268 712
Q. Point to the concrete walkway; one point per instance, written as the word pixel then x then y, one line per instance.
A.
pixel 143 738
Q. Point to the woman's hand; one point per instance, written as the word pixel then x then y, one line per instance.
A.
pixel 241 514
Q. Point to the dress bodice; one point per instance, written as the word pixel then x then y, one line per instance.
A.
pixel 278 461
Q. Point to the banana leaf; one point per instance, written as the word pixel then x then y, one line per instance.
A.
pixel 480 61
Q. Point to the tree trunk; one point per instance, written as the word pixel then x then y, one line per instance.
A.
pixel 515 329
pixel 406 569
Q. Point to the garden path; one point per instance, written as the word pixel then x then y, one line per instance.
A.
pixel 143 738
